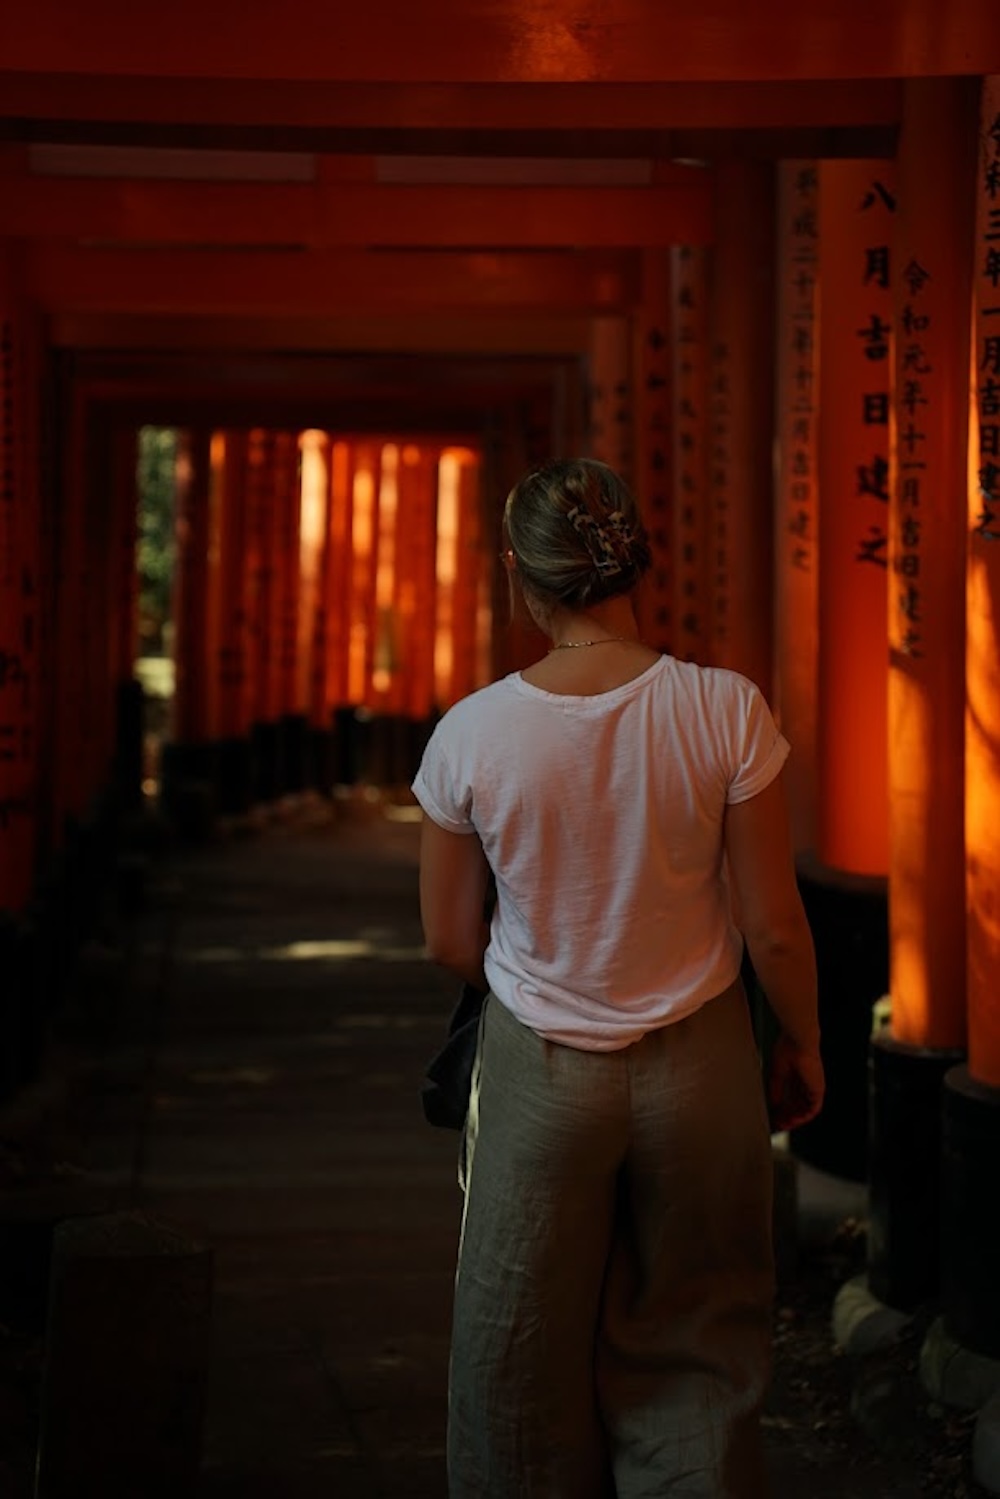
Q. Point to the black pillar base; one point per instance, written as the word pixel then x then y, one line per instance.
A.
pixel 188 778
pixel 351 734
pixel 129 721
pixel 849 918
pixel 294 745
pixel 970 1212
pixel 321 765
pixel 265 739
pixel 904 1239
pixel 234 776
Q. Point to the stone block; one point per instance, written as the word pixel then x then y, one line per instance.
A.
pixel 126 1359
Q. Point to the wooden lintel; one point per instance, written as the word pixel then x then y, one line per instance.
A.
pixel 260 282
pixel 317 111
pixel 334 215
pixel 426 333
pixel 623 41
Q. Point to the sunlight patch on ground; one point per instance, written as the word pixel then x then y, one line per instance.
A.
pixel 328 950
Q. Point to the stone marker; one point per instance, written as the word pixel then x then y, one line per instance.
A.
pixel 126 1360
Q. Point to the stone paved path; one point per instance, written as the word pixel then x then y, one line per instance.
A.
pixel 262 1091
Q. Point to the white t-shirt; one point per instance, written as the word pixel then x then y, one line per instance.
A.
pixel 601 818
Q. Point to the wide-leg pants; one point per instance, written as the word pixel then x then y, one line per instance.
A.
pixel 613 1297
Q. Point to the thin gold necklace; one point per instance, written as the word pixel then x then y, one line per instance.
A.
pixel 575 645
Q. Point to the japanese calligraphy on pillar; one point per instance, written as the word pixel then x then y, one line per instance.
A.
pixel 797 359
pixel 653 467
pixel 915 394
pixel 719 481
pixel 690 395
pixel 987 317
pixel 871 492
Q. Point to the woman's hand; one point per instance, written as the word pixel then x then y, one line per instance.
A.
pixel 795 1086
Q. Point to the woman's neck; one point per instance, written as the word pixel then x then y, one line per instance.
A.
pixel 611 619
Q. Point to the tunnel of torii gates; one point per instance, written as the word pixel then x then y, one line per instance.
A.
pixel 795 362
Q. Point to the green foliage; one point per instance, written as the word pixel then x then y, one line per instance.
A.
pixel 157 538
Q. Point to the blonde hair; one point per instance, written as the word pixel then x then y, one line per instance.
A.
pixel 576 533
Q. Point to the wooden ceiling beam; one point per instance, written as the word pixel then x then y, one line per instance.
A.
pixel 391 283
pixel 622 41
pixel 426 333
pixel 351 215
pixel 313 111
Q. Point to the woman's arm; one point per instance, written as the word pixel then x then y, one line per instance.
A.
pixel 774 925
pixel 453 880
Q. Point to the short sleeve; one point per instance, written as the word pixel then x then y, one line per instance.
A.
pixel 759 748
pixel 437 788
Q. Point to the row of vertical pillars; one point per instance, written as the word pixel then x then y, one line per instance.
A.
pixel 331 596
pixel 879 524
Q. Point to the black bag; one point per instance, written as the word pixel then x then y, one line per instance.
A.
pixel 448 1085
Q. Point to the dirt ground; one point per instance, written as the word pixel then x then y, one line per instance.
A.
pixel 864 1428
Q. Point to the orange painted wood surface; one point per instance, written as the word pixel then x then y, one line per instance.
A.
pixel 690 436
pixel 72 687
pixel 261 574
pixel 742 423
pixel 577 119
pixel 193 646
pixel 652 471
pixel 417 479
pixel 796 521
pixel 289 698
pixel 232 695
pixel 932 286
pixel 331 216
pixel 624 41
pixel 610 435
pixel 982 786
pixel 316 555
pixel 258 281
pixel 338 598
pixel 857 210
pixel 123 578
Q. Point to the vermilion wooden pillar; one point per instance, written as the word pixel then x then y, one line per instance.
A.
pixel 20 510
pixel 231 697
pixel 72 687
pixel 191 609
pixel 742 421
pixel 983 720
pixel 465 616
pixel 364 533
pixel 927 543
pixel 124 575
pixel 338 599
pixel 689 425
pixel 932 252
pixel 386 682
pixel 610 395
pixel 857 210
pixel 262 514
pixel 233 708
pixel 103 578
pixel 653 447
pixel 316 572
pixel 844 885
pixel 971 1207
pixel 291 703
pixel 123 611
pixel 418 502
pixel 796 520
